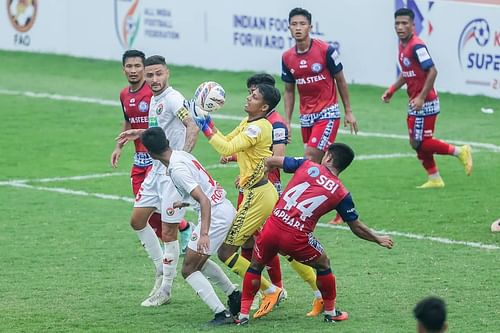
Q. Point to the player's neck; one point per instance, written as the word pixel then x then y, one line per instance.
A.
pixel 164 158
pixel 304 45
pixel 134 87
pixel 404 41
pixel 158 93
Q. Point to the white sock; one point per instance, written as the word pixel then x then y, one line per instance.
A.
pixel 170 259
pixel 435 176
pixel 270 290
pixel 213 272
pixel 317 294
pixel 205 290
pixel 457 151
pixel 152 246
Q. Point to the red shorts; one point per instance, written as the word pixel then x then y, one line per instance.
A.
pixel 421 128
pixel 137 176
pixel 272 240
pixel 322 134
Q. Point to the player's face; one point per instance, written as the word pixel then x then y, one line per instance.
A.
pixel 255 105
pixel 157 78
pixel 251 89
pixel 134 70
pixel 299 27
pixel 404 27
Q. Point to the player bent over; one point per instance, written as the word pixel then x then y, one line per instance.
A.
pixel 215 216
pixel 313 191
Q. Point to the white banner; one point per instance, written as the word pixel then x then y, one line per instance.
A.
pixel 463 38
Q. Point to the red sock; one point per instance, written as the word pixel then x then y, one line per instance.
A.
pixel 247 253
pixel 435 146
pixel 325 280
pixel 428 162
pixel 155 223
pixel 251 285
pixel 183 225
pixel 274 271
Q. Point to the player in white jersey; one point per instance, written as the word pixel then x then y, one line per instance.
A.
pixel 215 216
pixel 157 192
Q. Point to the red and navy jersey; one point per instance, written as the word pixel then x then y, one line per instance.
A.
pixel 313 73
pixel 415 61
pixel 135 106
pixel 280 136
pixel 312 192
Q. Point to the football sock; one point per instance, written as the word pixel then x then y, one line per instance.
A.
pixel 274 271
pixel 435 146
pixel 155 223
pixel 428 161
pixel 306 273
pixel 435 176
pixel 204 289
pixel 251 284
pixel 183 225
pixel 170 259
pixel 152 246
pixel 326 284
pixel 213 271
pixel 239 265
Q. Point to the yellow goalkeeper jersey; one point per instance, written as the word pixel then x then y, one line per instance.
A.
pixel 251 141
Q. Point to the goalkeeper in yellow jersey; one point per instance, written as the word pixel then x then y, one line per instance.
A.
pixel 250 141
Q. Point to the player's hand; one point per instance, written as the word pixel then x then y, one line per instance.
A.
pixel 350 120
pixel 201 118
pixel 417 103
pixel 227 159
pixel 180 204
pixel 385 241
pixel 128 135
pixel 203 244
pixel 115 156
pixel 386 97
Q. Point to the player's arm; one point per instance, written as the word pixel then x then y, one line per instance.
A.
pixel 348 213
pixel 115 155
pixel 287 77
pixel 386 97
pixel 240 142
pixel 280 138
pixel 206 213
pixel 191 128
pixel 288 164
pixel 424 59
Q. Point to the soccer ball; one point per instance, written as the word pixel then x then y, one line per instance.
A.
pixel 495 226
pixel 209 96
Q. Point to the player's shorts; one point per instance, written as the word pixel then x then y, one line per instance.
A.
pixel 272 240
pixel 137 176
pixel 322 134
pixel 158 191
pixel 257 205
pixel 421 127
pixel 221 220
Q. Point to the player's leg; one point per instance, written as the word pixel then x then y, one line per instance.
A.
pixel 308 274
pixel 265 249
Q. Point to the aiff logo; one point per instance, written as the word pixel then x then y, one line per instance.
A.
pixel 478 31
pixel 127 21
pixel 22 13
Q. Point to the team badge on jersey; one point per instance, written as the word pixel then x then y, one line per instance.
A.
pixel 143 106
pixel 159 109
pixel 252 131
pixel 194 236
pixel 316 67
pixel 406 62
pixel 170 211
pixel 303 63
pixel 313 172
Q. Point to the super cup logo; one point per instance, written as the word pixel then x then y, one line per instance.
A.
pixel 127 19
pixel 474 46
pixel 22 15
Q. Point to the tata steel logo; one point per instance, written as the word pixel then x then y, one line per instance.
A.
pixel 127 19
pixel 476 46
pixel 22 14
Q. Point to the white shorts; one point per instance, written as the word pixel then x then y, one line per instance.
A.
pixel 222 219
pixel 159 191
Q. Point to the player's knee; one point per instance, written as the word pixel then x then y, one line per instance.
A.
pixel 187 269
pixel 137 223
pixel 415 144
pixel 169 232
pixel 255 266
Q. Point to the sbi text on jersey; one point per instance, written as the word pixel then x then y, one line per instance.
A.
pixel 328 184
pixel 310 79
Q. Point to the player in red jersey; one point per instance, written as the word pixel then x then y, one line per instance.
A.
pixel 313 191
pixel 418 72
pixel 135 99
pixel 314 66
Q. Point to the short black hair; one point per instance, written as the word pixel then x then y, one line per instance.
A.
pixel 405 12
pixel 155 60
pixel 300 11
pixel 270 94
pixel 431 313
pixel 133 54
pixel 261 78
pixel 155 140
pixel 342 155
